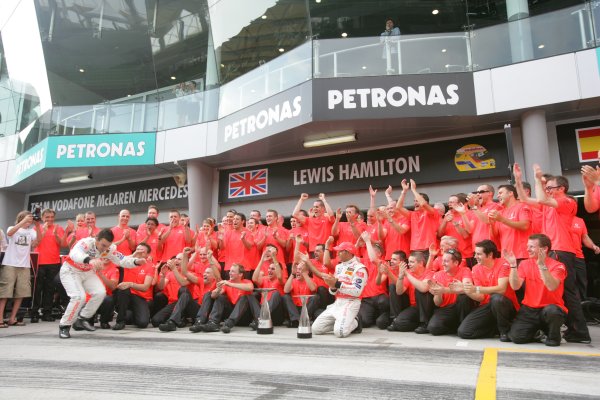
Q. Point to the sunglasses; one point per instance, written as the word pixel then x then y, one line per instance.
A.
pixel 549 188
pixel 480 192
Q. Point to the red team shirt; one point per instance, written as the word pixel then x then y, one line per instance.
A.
pixel 234 294
pixel 138 275
pixel 444 279
pixel 299 288
pixel 423 229
pixel 481 230
pixel 512 239
pixel 123 248
pixel 578 229
pixel 48 250
pixel 486 277
pixel 536 293
pixel 557 222
pixel 372 289
pixel 319 229
pixel 174 243
pixel 394 240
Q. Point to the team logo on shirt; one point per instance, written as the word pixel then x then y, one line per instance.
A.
pixel 473 157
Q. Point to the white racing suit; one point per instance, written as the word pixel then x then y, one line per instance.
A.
pixel 341 315
pixel 78 278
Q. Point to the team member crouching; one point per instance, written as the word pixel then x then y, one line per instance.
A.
pixel 78 276
pixel 543 307
pixel 412 280
pixel 446 286
pixel 497 301
pixel 346 285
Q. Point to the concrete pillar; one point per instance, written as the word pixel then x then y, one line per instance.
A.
pixel 10 204
pixel 200 188
pixel 535 142
pixel 519 30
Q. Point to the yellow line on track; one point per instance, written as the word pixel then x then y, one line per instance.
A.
pixel 486 380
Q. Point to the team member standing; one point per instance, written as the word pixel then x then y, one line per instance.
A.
pixel 424 220
pixel 52 238
pixel 319 222
pixel 125 237
pixel 512 224
pixel 558 211
pixel 346 285
pixel 78 277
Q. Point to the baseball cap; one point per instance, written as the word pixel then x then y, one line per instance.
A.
pixel 345 246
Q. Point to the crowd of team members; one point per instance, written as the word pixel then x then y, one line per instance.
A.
pixel 512 268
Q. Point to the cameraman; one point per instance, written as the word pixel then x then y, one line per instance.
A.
pixel 15 274
pixel 51 239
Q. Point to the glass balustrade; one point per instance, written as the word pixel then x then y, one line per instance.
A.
pixel 558 32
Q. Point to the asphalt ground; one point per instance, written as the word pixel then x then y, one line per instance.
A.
pixel 146 363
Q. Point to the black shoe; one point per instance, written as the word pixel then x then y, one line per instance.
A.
pixel 197 327
pixel 504 337
pixel 573 338
pixel 104 325
pixel 253 325
pixel 119 326
pixel 35 318
pixel 63 332
pixel 391 328
pixel 83 324
pixel 211 326
pixel 294 324
pixel 48 318
pixel 286 322
pixel 421 329
pixel 226 328
pixel 552 343
pixel 169 326
pixel 358 328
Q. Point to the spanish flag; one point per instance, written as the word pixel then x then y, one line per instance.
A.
pixel 588 143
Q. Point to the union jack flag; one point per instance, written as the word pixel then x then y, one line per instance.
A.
pixel 248 183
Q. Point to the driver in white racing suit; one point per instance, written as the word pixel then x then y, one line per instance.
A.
pixel 78 276
pixel 346 285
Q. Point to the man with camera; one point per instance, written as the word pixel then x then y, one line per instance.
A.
pixel 15 274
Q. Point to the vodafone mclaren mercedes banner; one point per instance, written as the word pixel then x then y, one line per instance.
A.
pixel 107 200
pixel 399 96
pixel 460 159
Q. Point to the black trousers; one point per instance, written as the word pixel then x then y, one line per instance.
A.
pixel 205 308
pixel 106 309
pixel 581 277
pixel 292 309
pixel 530 320
pixel 447 319
pixel 575 319
pixel 488 319
pixel 319 302
pixel 397 302
pixel 223 306
pixel 44 287
pixel 274 306
pixel 407 320
pixel 425 305
pixel 375 310
pixel 185 306
pixel 129 303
